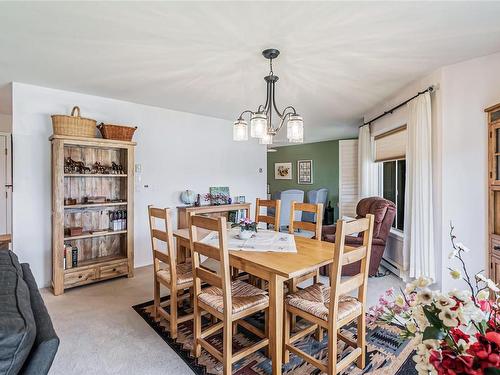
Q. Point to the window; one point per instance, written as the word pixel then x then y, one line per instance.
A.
pixel 393 188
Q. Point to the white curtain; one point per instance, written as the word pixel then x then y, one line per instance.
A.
pixel 367 169
pixel 418 243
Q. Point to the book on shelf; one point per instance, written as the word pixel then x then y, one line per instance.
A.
pixel 232 216
pixel 74 257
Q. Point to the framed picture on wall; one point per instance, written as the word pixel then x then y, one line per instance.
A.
pixel 305 171
pixel 282 171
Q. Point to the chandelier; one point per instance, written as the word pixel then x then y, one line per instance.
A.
pixel 261 121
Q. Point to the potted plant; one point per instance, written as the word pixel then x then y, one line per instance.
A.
pixel 247 228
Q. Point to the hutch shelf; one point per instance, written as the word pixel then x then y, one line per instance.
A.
pixel 494 191
pixel 102 252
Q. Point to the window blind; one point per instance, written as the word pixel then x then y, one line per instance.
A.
pixel 348 177
pixel 391 145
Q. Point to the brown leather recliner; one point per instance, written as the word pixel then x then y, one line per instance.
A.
pixel 384 211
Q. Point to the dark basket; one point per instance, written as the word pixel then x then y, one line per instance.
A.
pixel 117 132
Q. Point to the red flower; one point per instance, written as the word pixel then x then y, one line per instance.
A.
pixel 485 305
pixel 493 337
pixel 458 334
pixel 447 362
pixel 486 350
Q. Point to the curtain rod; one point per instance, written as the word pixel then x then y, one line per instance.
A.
pixel 429 89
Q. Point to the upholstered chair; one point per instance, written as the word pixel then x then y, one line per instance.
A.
pixel 384 212
pixel 315 197
pixel 287 197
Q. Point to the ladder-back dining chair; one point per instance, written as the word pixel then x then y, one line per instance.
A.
pixel 275 205
pixel 228 301
pixel 315 228
pixel 176 277
pixel 330 307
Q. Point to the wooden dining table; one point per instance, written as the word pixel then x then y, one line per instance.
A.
pixel 276 268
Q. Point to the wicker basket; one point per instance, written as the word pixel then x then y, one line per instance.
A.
pixel 117 132
pixel 73 125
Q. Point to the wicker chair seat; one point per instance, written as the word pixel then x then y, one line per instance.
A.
pixel 184 274
pixel 244 296
pixel 315 300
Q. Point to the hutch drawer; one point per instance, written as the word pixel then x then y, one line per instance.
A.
pixel 80 277
pixel 113 270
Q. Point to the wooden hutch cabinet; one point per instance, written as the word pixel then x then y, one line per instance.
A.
pixel 92 210
pixel 494 191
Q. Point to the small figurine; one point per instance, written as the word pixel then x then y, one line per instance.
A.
pixel 72 166
pixel 116 168
pixel 97 168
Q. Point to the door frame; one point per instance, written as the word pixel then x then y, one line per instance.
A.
pixel 8 181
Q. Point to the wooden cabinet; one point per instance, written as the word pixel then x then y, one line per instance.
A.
pixel 104 252
pixel 494 191
pixel 183 212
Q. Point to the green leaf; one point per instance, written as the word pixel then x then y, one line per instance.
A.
pixel 433 333
pixel 491 371
pixel 432 318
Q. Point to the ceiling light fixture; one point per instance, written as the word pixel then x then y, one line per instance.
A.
pixel 261 121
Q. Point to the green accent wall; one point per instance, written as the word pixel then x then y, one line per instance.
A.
pixel 325 157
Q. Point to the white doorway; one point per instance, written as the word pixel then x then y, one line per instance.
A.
pixel 5 183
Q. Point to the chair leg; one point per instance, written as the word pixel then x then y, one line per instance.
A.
pixel 196 330
pixel 319 331
pixel 361 341
pixel 293 289
pixel 316 277
pixel 267 352
pixel 319 334
pixel 179 300
pixel 286 336
pixel 234 273
pixel 173 314
pixel 227 349
pixel 332 351
pixel 156 293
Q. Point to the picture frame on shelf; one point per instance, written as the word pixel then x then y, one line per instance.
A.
pixel 219 195
pixel 282 171
pixel 305 172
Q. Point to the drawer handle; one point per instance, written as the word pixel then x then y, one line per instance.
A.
pixel 80 276
pixel 497 247
pixel 114 269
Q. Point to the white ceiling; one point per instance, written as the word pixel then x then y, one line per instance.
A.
pixel 338 59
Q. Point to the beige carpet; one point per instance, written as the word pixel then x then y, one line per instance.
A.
pixel 101 334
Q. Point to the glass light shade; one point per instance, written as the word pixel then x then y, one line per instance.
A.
pixel 240 130
pixel 295 129
pixel 258 125
pixel 267 139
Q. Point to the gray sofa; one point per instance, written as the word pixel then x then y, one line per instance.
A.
pixel 28 342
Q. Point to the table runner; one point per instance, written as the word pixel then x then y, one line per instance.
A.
pixel 263 240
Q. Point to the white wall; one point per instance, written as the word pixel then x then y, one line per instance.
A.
pixel 176 150
pixel 468 88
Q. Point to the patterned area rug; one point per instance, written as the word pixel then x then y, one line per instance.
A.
pixel 387 353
